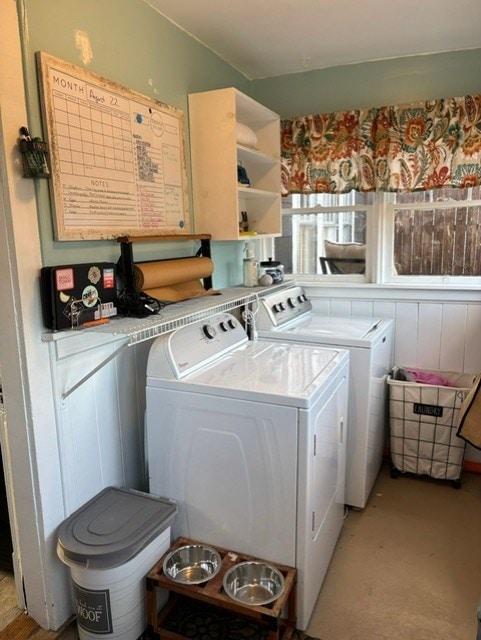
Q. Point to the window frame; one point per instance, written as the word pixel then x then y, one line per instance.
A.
pixel 379 270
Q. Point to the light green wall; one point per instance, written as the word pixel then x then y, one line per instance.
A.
pixel 136 47
pixel 373 84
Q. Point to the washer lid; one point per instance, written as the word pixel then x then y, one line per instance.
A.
pixel 349 327
pixel 113 527
pixel 346 331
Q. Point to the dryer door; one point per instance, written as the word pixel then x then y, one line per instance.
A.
pixel 322 464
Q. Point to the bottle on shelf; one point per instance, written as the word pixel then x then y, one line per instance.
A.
pixel 250 267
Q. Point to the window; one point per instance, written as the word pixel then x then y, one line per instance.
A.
pixel 435 234
pixel 424 236
pixel 324 233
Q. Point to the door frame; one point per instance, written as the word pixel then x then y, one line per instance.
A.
pixel 29 437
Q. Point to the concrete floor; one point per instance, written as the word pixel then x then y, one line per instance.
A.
pixel 407 567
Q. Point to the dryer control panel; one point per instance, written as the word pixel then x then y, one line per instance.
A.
pixel 281 307
pixel 183 351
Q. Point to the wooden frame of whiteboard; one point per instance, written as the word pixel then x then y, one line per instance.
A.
pixel 46 63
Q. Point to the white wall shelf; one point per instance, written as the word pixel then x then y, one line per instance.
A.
pixel 216 153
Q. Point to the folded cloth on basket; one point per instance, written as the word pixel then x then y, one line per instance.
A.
pixel 469 418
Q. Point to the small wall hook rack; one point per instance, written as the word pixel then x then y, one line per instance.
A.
pixel 35 157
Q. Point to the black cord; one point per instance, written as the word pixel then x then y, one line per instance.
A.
pixel 136 304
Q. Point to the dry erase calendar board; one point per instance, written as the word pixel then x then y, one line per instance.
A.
pixel 118 157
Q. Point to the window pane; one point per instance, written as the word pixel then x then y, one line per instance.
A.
pixel 299 201
pixel 339 237
pixel 438 240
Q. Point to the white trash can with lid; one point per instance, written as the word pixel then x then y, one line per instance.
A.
pixel 110 545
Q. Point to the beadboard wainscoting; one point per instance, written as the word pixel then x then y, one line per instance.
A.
pixel 435 328
pixel 99 380
pixel 100 422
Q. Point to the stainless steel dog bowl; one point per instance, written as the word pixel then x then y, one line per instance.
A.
pixel 253 583
pixel 192 564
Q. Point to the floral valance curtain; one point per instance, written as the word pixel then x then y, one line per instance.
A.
pixel 412 147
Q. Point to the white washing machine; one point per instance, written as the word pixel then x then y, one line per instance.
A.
pixel 287 315
pixel 248 438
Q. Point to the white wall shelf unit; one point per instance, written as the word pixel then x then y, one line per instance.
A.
pixel 216 152
pixel 120 333
pixel 172 316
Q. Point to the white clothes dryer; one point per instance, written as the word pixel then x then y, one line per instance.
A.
pixel 287 315
pixel 248 438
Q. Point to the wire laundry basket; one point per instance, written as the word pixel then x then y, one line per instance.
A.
pixel 423 426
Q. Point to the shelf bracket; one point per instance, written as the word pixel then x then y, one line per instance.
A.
pixel 78 384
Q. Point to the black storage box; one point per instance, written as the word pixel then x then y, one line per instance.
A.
pixel 75 294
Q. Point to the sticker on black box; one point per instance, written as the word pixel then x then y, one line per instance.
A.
pixel 92 608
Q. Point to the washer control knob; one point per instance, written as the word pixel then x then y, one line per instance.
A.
pixel 291 302
pixel 283 306
pixel 231 324
pixel 209 331
pixel 224 326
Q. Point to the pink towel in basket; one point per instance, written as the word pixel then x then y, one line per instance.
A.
pixel 427 377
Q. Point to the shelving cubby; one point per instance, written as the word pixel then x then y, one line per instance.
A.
pixel 216 152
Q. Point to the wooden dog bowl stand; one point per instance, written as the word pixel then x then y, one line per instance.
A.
pixel 212 593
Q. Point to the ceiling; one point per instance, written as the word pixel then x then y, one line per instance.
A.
pixel 263 38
